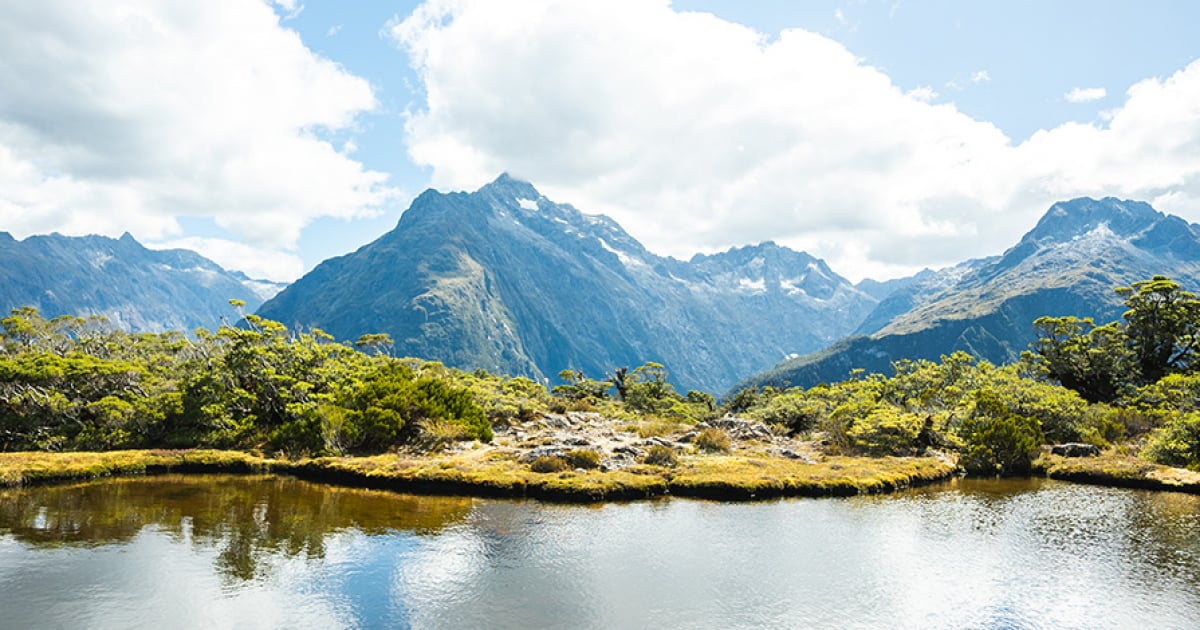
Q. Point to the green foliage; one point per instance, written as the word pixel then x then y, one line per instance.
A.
pixel 997 440
pixel 1160 336
pixel 647 390
pixel 712 440
pixel 576 386
pixel 1163 327
pixel 1094 361
pixel 796 409
pixel 886 432
pixel 1176 443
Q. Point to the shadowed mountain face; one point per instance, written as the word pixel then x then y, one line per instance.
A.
pixel 136 288
pixel 1069 264
pixel 506 280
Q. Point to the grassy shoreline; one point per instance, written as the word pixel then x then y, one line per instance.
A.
pixel 1119 471
pixel 723 477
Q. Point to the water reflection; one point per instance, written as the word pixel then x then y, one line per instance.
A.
pixel 247 518
pixel 264 552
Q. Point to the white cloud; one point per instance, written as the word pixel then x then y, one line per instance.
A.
pixel 1085 95
pixel 699 134
pixel 925 94
pixel 126 115
pixel 252 261
pixel 291 8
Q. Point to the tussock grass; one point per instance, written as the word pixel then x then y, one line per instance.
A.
pixel 1115 469
pixel 762 477
pixel 34 467
pixel 482 473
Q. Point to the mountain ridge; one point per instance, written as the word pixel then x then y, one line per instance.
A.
pixel 1069 263
pixel 134 287
pixel 506 279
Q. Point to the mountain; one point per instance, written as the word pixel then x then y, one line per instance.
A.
pixel 136 288
pixel 1068 264
pixel 507 280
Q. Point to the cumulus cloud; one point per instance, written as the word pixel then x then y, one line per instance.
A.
pixel 1085 95
pixel 125 115
pixel 699 134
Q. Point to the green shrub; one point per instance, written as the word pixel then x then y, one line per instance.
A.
pixel 549 464
pixel 659 455
pixel 796 410
pixel 885 431
pixel 1176 443
pixel 712 440
pixel 582 458
pixel 998 441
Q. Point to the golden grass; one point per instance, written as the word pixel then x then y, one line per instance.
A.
pixel 23 468
pixel 479 472
pixel 1113 469
pixel 730 476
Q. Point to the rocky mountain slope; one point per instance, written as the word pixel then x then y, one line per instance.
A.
pixel 134 287
pixel 507 280
pixel 1068 264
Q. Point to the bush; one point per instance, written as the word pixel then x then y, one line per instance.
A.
pixel 582 458
pixel 886 432
pixel 998 441
pixel 1176 443
pixel 793 409
pixel 659 455
pixel 712 440
pixel 549 464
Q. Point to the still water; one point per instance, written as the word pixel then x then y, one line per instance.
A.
pixel 266 552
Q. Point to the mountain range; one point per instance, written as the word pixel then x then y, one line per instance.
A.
pixel 1068 264
pixel 507 280
pixel 135 288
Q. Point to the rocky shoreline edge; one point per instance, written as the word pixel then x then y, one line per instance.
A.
pixel 749 461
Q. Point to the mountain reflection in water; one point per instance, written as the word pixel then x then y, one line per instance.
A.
pixel 267 552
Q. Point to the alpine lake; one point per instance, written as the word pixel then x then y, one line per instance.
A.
pixel 233 551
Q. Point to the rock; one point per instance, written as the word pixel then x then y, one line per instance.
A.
pixel 541 451
pixel 1075 449
pixel 739 428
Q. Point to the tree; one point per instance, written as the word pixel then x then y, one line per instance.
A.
pixel 997 440
pixel 1162 327
pixel 1093 361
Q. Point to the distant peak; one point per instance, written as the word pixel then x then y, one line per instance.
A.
pixel 128 238
pixel 1066 220
pixel 508 185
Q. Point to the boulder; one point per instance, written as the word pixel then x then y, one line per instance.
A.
pixel 1075 449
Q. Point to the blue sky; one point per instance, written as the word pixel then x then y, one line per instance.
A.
pixel 883 136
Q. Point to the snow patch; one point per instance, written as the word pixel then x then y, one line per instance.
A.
pixel 791 286
pixel 752 286
pixel 208 277
pixel 527 204
pixel 99 259
pixel 626 259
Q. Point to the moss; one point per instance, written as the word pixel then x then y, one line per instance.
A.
pixel 1115 469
